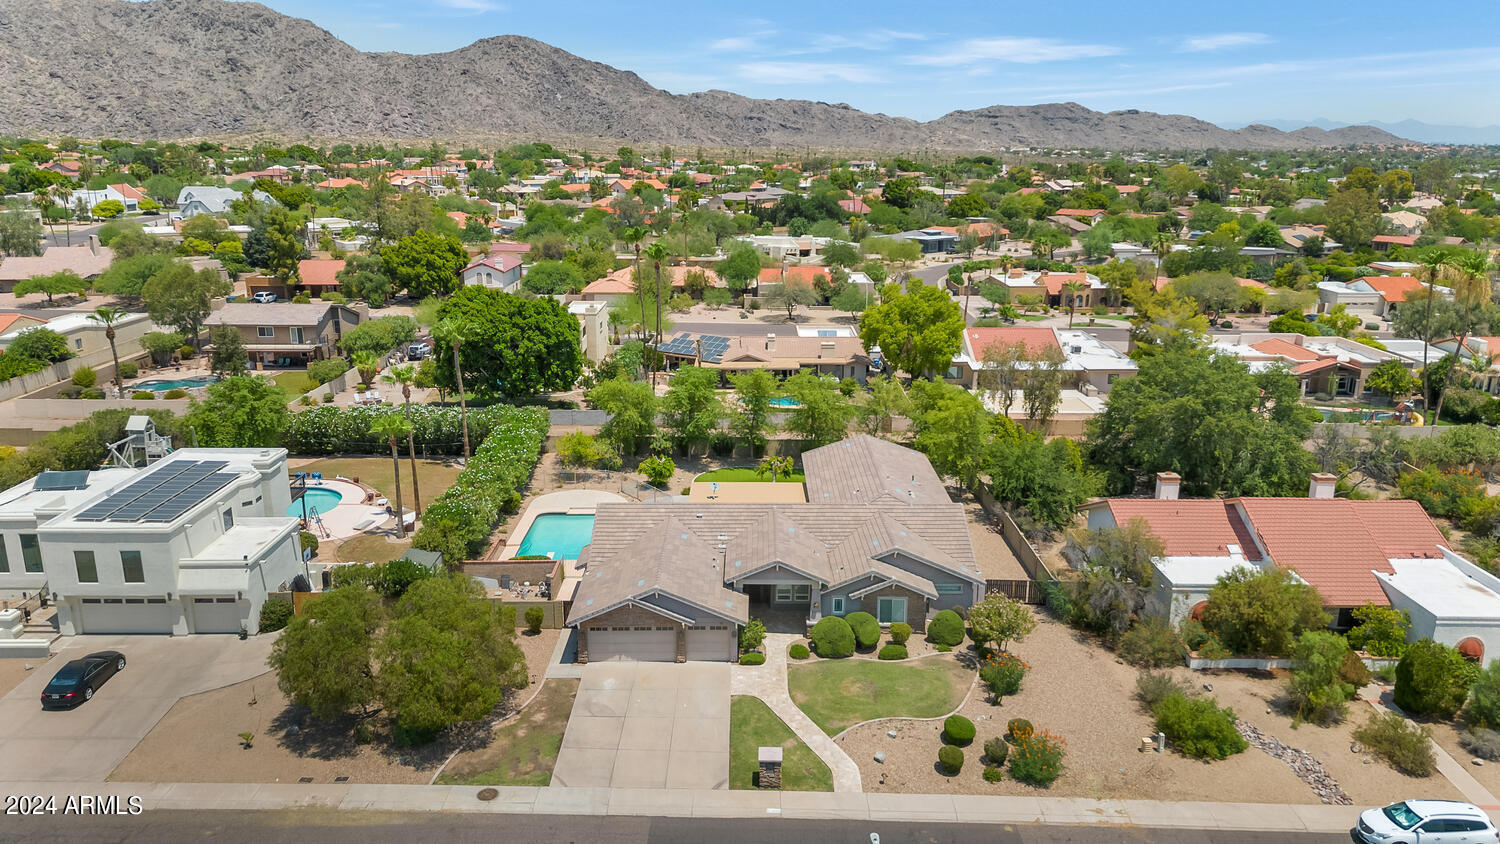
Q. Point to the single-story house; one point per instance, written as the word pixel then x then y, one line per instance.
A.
pixel 87 259
pixel 784 356
pixel 931 240
pixel 1087 362
pixel 193 200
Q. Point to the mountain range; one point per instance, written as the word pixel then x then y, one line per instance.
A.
pixel 1427 133
pixel 212 68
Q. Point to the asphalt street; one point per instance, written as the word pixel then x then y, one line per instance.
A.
pixel 81 235
pixel 298 826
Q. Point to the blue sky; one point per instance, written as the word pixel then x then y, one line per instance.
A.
pixel 1437 62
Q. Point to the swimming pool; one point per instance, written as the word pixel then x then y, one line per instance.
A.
pixel 561 534
pixel 319 497
pixel 785 401
pixel 175 383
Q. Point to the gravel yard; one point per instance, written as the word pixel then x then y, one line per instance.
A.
pixel 13 671
pixel 1446 735
pixel 996 561
pixel 1080 691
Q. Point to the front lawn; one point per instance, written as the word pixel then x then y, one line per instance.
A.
pixel 739 475
pixel 524 751
pixel 837 694
pixel 294 384
pixel 433 476
pixel 752 725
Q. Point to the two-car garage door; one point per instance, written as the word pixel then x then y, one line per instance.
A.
pixel 126 615
pixel 657 644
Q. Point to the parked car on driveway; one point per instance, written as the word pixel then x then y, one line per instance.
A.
pixel 418 350
pixel 77 681
pixel 1425 821
pixel 264 297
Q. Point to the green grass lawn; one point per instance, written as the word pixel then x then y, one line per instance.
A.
pixel 433 476
pixel 524 751
pixel 746 475
pixel 294 383
pixel 837 694
pixel 752 725
pixel 364 549
pixel 1035 317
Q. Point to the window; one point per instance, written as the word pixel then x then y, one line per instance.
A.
pixel 228 519
pixel 836 606
pixel 4 556
pixel 265 331
pixel 296 333
pixel 789 592
pixel 78 343
pixel 31 552
pixel 87 571
pixel 949 588
pixel 203 600
pixel 890 610
pixel 223 600
pixel 130 561
pixel 92 601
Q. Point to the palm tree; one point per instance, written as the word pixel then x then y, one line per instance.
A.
pixel 367 364
pixel 42 199
pixel 1469 272
pixel 1161 244
pixel 453 331
pixel 657 252
pixel 1434 268
pixel 406 375
pixel 64 194
pixel 107 316
pixel 1071 291
pixel 394 427
pixel 632 237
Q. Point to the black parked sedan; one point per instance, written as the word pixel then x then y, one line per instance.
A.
pixel 77 681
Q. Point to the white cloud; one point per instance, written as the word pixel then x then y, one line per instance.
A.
pixel 473 6
pixel 737 44
pixel 1011 50
pixel 785 73
pixel 1205 43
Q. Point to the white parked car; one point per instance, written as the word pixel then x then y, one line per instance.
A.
pixel 418 350
pixel 264 297
pixel 1427 822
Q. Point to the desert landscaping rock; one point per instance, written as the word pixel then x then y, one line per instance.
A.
pixel 1303 764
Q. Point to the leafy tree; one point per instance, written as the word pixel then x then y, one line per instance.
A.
pixel 39 343
pixel 1262 611
pixel 823 413
pixel 1352 217
pixel 999 620
pixel 20 234
pixel 179 297
pixel 579 450
pixel 1041 383
pixel 840 254
pixel 1432 679
pixel 952 427
pixel 1180 181
pixel 546 278
pixel 658 470
pixel 788 296
pixel 127 276
pixel 691 406
pixel 1392 378
pixel 425 263
pixel 750 414
pixel 919 331
pixel 1380 631
pixel 242 411
pixel 160 345
pixel 512 346
pixel 108 209
pixel 742 265
pixel 324 659
pixel 280 240
pixel 1339 320
pixel 1047 238
pixel 65 282
pixel 900 193
pixel 364 277
pixel 632 409
pixel 1214 292
pixel 380 335
pixel 886 400
pixel 1316 689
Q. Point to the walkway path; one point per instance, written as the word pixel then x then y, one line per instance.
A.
pixel 1449 767
pixel 768 682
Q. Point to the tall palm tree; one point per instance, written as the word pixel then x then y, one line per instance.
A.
pixel 1469 272
pixel 64 194
pixel 1161 244
pixel 42 199
pixel 394 427
pixel 632 237
pixel 406 375
pixel 107 316
pixel 657 252
pixel 1071 291
pixel 452 331
pixel 1434 268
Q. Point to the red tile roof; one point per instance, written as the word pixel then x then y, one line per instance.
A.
pixel 1080 212
pixel 319 272
pixel 503 262
pixel 1278 346
pixel 1393 288
pixel 1054 281
pixel 1198 527
pixel 330 184
pixel 1037 339
pixel 1396 239
pixel 806 275
pixel 854 206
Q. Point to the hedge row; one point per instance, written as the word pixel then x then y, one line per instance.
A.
pixel 438 430
pixel 458 522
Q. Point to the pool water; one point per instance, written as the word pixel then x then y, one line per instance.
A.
pixel 175 383
pixel 323 499
pixel 785 401
pixel 561 534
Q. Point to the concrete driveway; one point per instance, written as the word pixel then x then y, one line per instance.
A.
pixel 85 744
pixel 648 725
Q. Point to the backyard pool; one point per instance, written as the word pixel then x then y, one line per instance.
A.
pixel 161 385
pixel 316 497
pixel 562 535
pixel 785 401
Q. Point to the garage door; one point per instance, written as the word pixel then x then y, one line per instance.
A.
pixel 641 645
pixel 126 615
pixel 710 643
pixel 217 615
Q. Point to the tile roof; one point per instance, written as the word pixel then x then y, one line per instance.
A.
pixel 1393 288
pixel 87 261
pixel 319 272
pixel 864 470
pixel 1395 239
pixel 1196 527
pixel 504 262
pixel 272 313
pixel 1037 339
pixel 12 322
pixel 1281 348
pixel 620 281
pixel 806 275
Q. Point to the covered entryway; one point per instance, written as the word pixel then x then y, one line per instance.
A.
pixel 216 615
pixel 125 615
pixel 641 644
pixel 713 643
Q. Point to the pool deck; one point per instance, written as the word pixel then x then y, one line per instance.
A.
pixel 351 511
pixel 570 502
pixel 748 492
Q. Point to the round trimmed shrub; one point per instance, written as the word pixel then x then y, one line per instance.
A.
pixel 799 651
pixel 893 651
pixel 753 658
pixel 866 629
pixel 958 730
pixel 947 628
pixel 175 393
pixel 309 540
pixel 950 759
pixel 275 613
pixel 832 637
pixel 993 773
pixel 534 618
pixel 1018 729
pixel 143 395
pixel 995 750
pixel 129 369
pixel 900 632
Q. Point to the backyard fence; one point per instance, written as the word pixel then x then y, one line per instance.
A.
pixel 1026 553
pixel 553 612
pixel 1025 591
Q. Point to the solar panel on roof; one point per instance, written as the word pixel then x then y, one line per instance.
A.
pixel 61 480
pixel 161 491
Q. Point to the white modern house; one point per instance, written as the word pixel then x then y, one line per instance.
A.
pixel 190 544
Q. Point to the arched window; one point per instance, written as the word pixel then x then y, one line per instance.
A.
pixel 1471 649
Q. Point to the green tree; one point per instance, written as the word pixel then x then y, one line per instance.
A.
pixel 108 209
pixel 280 233
pixel 1352 217
pixel 822 415
pixel 127 275
pixel 999 620
pixel 1262 611
pixel 324 659
pixel 1432 679
pixel 1315 688
pixel 919 331
pixel 512 346
pixel 39 343
pixel 546 278
pixel 241 411
pixel 425 263
pixel 788 296
pixel 886 400
pixel 742 265
pixel 393 428
pixel 161 345
pixel 380 335
pixel 363 277
pixel 1180 181
pixel 850 299
pixel 632 409
pixel 1213 292
pixel 837 254
pixel 179 297
pixel 691 406
pixel 1339 320
pixel 952 428
pixel 1391 378
pixel 750 414
pixel 20 234
pixel 62 283
pixel 109 316
pixel 1047 238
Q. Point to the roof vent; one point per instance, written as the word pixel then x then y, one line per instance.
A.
pixel 641 582
pixel 696 516
pixel 684 536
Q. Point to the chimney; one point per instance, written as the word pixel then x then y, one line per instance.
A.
pixel 1322 485
pixel 1168 485
pixel 94 243
pixel 771 342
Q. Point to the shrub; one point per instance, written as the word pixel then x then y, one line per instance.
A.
pixel 950 759
pixel 1038 758
pixel 534 618
pixel 85 376
pixel 893 651
pixel 1432 679
pixel 752 635
pixel 1152 688
pixel 309 540
pixel 1315 688
pixel 1152 643
pixel 275 613
pixel 1482 743
pixel 900 632
pixel 958 730
pixel 1262 611
pixel 186 351
pixel 799 651
pixel 1386 674
pixel 1354 672
pixel 658 470
pixel 1483 709
pixel 1193 634
pixel 866 629
pixel 1018 729
pixel 323 371
pixel 942 649
pixel 1380 631
pixel 753 658
pixel 831 637
pixel 1406 746
pixel 1059 601
pixel 1214 648
pixel 1003 673
pixel 993 773
pixel 129 369
pixel 175 393
pixel 947 628
pixel 1198 727
pixel 143 395
pixel 995 750
pixel 91 393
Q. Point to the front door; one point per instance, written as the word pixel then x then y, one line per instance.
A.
pixel 890 610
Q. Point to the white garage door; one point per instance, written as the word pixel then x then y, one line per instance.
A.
pixel 217 615
pixel 126 615
pixel 714 643
pixel 640 645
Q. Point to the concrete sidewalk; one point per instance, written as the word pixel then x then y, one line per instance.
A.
pixel 1259 817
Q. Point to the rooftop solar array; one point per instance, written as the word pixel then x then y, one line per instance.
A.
pixel 163 495
pixel 712 347
pixel 61 480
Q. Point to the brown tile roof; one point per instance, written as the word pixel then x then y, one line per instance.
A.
pixel 1282 348
pixel 84 260
pixel 865 470
pixel 242 314
pixel 805 275
pixel 1037 339
pixel 1196 527
pixel 319 272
